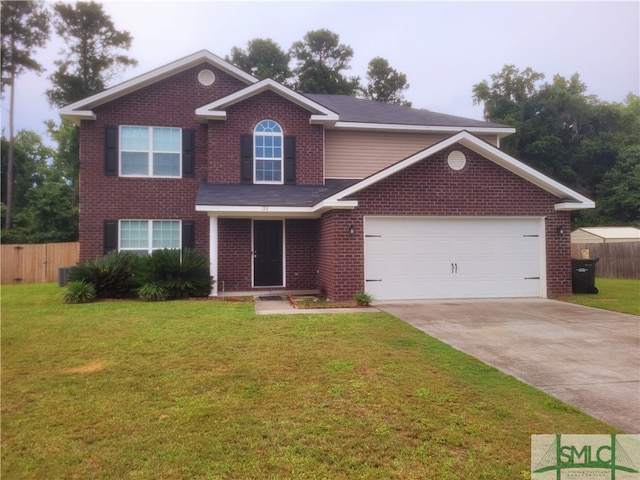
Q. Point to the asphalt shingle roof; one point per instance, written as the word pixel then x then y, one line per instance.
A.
pixel 242 195
pixel 353 109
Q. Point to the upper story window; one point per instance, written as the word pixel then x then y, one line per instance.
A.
pixel 150 151
pixel 268 154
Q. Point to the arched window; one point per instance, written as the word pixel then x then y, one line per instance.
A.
pixel 267 148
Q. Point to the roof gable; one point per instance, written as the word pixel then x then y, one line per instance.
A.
pixel 82 110
pixel 568 198
pixel 217 110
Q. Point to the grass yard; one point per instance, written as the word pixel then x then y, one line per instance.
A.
pixel 615 294
pixel 209 390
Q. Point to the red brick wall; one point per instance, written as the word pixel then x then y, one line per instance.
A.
pixel 169 103
pixel 235 255
pixel 172 102
pixel 224 138
pixel 432 188
pixel 302 254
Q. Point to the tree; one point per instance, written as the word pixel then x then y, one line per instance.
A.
pixel 65 158
pixel 571 136
pixel 619 191
pixel 93 53
pixel 93 56
pixel 321 59
pixel 43 209
pixel 25 26
pixel 385 84
pixel 508 91
pixel 263 58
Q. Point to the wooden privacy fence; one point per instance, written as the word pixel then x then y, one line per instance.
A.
pixel 616 260
pixel 36 263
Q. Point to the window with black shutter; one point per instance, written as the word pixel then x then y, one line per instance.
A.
pixel 111 150
pixel 246 159
pixel 110 236
pixel 188 153
pixel 290 160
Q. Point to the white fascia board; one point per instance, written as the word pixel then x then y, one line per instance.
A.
pixel 77 116
pixel 261 210
pixel 390 127
pixel 576 201
pixel 571 206
pixel 262 86
pixel 73 111
pixel 210 115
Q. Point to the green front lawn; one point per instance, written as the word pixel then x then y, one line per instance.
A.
pixel 207 389
pixel 614 294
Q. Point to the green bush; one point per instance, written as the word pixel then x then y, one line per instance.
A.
pixel 112 275
pixel 79 291
pixel 364 299
pixel 181 273
pixel 165 274
pixel 152 292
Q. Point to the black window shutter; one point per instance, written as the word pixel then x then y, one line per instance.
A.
pixel 290 160
pixel 188 152
pixel 188 234
pixel 246 159
pixel 111 150
pixel 110 235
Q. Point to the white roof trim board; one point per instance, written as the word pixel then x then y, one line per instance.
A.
pixel 501 132
pixel 81 110
pixel 569 199
pixel 275 211
pixel 215 110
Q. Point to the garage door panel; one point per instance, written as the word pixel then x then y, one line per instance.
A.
pixel 417 257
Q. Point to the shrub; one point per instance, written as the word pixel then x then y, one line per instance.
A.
pixel 152 292
pixel 364 299
pixel 181 273
pixel 79 291
pixel 111 275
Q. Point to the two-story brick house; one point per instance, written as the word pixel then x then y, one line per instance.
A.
pixel 291 192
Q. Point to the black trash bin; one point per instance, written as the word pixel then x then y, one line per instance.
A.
pixel 583 275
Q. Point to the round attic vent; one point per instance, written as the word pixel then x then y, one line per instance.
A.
pixel 457 160
pixel 206 77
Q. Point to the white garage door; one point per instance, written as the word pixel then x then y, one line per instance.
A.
pixel 478 257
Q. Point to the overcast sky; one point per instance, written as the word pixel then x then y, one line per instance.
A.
pixel 444 48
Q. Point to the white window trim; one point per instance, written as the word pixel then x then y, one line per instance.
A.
pixel 150 248
pixel 149 153
pixel 256 158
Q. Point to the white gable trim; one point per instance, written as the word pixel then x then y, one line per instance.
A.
pixel 81 110
pixel 216 110
pixel 568 198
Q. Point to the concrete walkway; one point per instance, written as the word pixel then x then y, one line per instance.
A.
pixel 586 357
pixel 284 307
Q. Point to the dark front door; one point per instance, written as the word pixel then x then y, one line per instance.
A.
pixel 267 253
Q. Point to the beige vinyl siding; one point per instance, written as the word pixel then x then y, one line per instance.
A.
pixel 357 154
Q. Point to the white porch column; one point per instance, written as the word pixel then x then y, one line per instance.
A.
pixel 213 253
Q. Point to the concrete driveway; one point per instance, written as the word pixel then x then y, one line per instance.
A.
pixel 586 357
